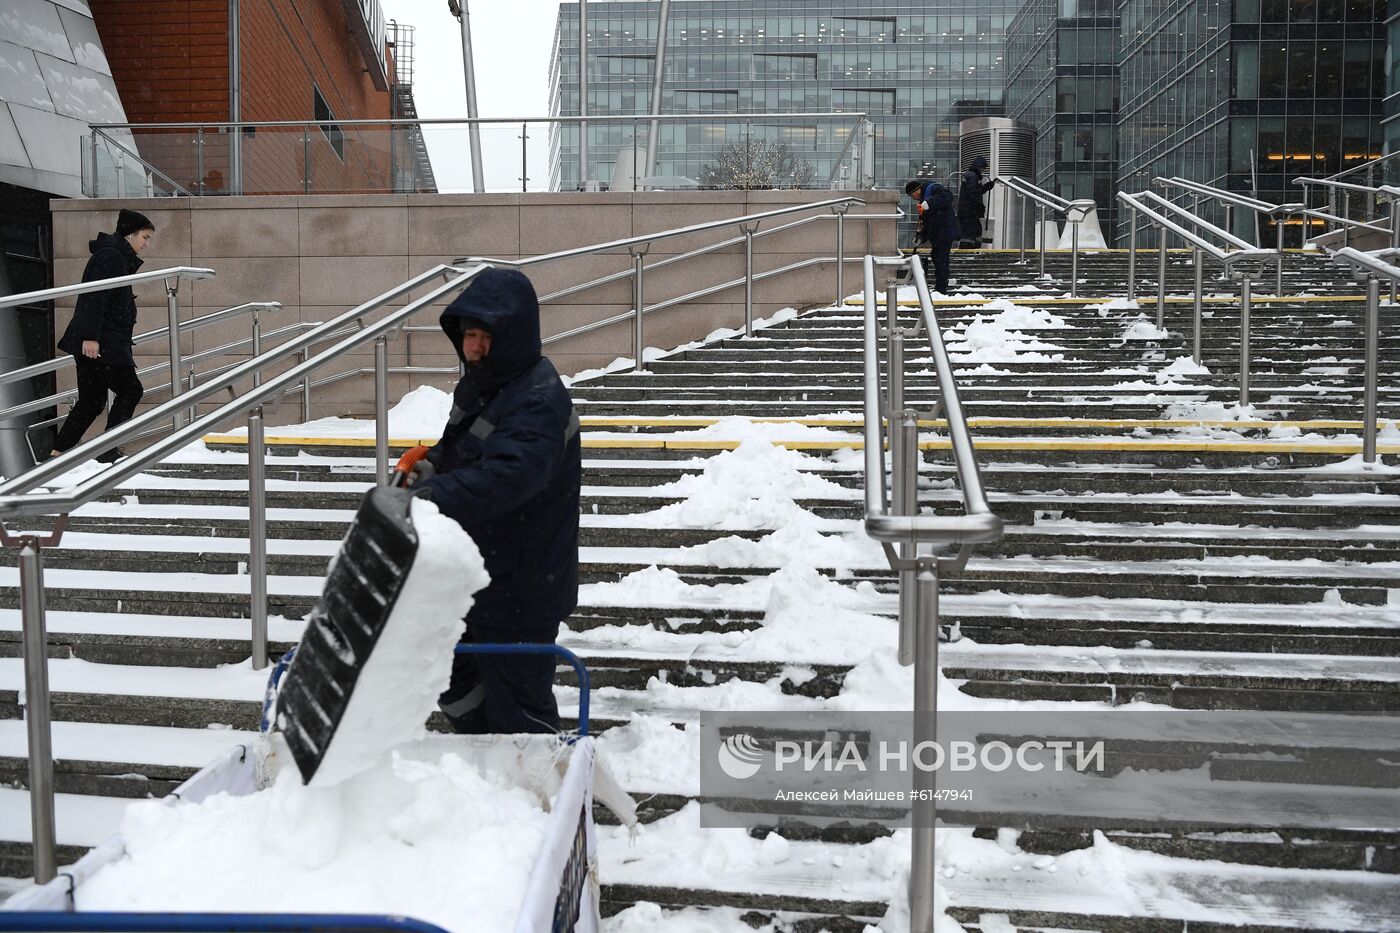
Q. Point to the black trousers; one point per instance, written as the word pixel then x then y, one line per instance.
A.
pixel 95 380
pixel 937 262
pixel 500 693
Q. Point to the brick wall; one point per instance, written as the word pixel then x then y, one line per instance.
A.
pixel 170 62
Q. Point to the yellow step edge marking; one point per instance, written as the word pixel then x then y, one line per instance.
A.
pixel 1021 298
pixel 599 421
pixel 855 443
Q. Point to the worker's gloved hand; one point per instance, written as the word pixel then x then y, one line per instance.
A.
pixel 422 471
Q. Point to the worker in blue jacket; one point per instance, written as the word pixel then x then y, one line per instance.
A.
pixel 938 227
pixel 508 469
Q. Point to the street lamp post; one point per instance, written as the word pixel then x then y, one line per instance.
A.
pixel 458 8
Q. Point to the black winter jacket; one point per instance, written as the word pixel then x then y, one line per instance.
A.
pixel 109 317
pixel 508 467
pixel 937 224
pixel 972 189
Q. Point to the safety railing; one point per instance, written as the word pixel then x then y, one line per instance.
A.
pixel 251 344
pixel 1074 213
pixel 1370 268
pixel 745 150
pixel 638 246
pixel 1340 197
pixel 892 517
pixel 1278 213
pixel 1236 255
pixel 172 278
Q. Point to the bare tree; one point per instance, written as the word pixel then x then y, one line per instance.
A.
pixel 757 163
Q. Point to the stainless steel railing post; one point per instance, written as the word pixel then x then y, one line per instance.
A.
pixel 841 253
pixel 1161 276
pixel 1132 254
pixel 1278 265
pixel 1373 339
pixel 257 345
pixel 1040 236
pixel 922 877
pixel 257 536
pixel 36 710
pixel 901 500
pixel 1196 306
pixel 1074 259
pixel 638 308
pixel 305 389
pixel 381 409
pixel 1246 299
pixel 192 412
pixel 1026 221
pixel 1395 244
pixel 892 299
pixel 172 311
pixel 748 278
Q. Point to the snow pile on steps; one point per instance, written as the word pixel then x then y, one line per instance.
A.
pixel 379 830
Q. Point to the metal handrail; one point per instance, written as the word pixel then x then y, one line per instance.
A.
pixel 431 121
pixel 1279 212
pixel 170 277
pixel 1371 268
pixel 66 361
pixel 895 519
pixel 183 273
pixel 11 504
pixel 1364 166
pixel 1074 213
pixel 638 246
pixel 1331 183
pixel 1244 254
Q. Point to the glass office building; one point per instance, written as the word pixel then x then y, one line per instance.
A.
pixel 1249 94
pixel 917 69
pixel 1390 124
pixel 1062 80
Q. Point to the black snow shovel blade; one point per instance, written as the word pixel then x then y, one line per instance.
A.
pixel 361 588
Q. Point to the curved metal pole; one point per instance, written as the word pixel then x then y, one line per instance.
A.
pixel 1198 299
pixel 657 78
pixel 469 74
pixel 748 278
pixel 922 874
pixel 1074 259
pixel 840 254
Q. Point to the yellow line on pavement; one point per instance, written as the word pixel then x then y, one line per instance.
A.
pixel 1021 298
pixel 599 421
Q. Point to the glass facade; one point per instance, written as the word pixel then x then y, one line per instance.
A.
pixel 917 69
pixel 1390 126
pixel 1062 79
pixel 1249 94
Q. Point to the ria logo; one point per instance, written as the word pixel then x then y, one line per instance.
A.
pixel 740 756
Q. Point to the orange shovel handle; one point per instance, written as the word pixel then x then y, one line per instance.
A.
pixel 399 475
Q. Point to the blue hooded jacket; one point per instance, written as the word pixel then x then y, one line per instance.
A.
pixel 939 222
pixel 508 467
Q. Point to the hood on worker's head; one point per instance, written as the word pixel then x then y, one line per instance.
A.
pixel 503 302
pixel 979 164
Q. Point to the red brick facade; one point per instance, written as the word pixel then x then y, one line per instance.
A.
pixel 170 60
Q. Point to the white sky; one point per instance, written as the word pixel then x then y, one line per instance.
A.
pixel 512 41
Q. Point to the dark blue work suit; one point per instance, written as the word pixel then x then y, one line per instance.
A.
pixel 938 227
pixel 508 469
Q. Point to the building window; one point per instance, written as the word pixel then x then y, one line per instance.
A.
pixel 322 112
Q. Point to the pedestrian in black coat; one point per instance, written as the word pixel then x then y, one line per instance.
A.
pixel 508 469
pixel 99 335
pixel 971 206
pixel 938 227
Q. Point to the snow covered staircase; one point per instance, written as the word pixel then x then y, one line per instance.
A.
pixel 1163 547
